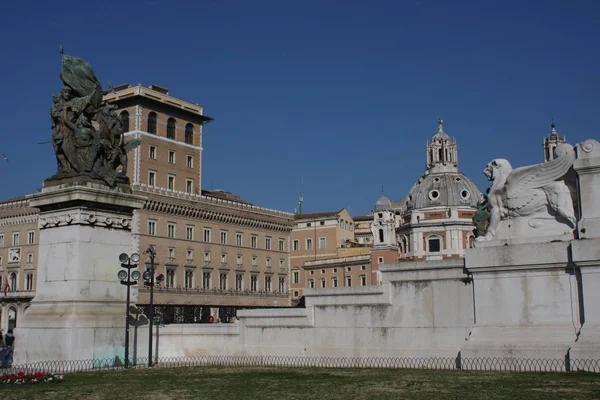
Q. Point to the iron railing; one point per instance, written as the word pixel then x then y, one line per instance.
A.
pixel 432 363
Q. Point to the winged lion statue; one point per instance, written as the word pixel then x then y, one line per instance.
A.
pixel 534 193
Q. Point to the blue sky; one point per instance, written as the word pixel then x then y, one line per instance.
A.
pixel 331 98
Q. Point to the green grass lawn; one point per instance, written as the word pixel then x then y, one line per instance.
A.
pixel 311 383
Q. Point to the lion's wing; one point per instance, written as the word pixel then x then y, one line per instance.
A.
pixel 520 180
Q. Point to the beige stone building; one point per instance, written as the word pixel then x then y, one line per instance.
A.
pixel 215 251
pixel 317 236
pixel 18 258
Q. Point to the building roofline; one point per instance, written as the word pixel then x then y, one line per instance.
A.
pixel 157 96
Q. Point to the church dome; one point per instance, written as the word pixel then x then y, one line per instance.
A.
pixel 383 204
pixel 442 190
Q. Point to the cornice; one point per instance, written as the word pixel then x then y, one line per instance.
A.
pixel 19 219
pixel 193 212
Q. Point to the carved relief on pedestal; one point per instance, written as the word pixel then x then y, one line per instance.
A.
pixel 84 217
pixel 530 201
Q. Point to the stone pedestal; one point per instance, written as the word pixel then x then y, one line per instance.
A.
pixel 586 262
pixel 526 302
pixel 79 308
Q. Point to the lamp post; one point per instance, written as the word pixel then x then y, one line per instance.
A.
pixel 149 278
pixel 128 278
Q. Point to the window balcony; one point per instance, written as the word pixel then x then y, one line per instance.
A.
pixel 17 295
pixel 213 292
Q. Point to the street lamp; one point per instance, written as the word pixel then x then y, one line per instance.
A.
pixel 149 278
pixel 128 278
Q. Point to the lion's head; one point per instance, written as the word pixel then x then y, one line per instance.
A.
pixel 496 168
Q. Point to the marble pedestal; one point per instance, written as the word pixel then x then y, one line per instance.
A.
pixel 526 302
pixel 79 308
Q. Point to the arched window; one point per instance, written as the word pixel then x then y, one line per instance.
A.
pixel 125 121
pixel 189 134
pixel 405 245
pixel 171 128
pixel 440 155
pixel 152 123
pixel 13 282
pixel 381 236
pixel 12 318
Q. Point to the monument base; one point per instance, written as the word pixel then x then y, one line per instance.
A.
pixel 78 311
pixel 541 228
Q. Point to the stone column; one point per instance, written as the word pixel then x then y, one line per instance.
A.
pixel 78 311
pixel 587 167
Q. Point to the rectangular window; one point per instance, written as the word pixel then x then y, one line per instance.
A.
pixel 281 285
pixel 348 281
pixel 296 276
pixel 322 243
pixel 207 235
pixel 254 283
pixel 322 271
pixel 309 244
pixel 239 260
pixel 189 186
pixel 170 281
pixel 281 264
pixel 434 245
pixel 223 281
pixel 190 161
pixel 311 284
pixel 254 261
pixel 29 258
pixel 206 257
pixel 296 293
pixel 171 230
pixel 15 241
pixel 253 241
pixel 189 232
pixel 362 267
pixel 206 280
pixel 281 245
pixel 29 281
pixel 151 227
pixel 363 280
pixel 296 245
pixel 268 243
pixel 322 283
pixel 31 237
pixel 189 279
pixel 189 255
pixel 349 269
pixel 267 283
pixel 223 258
pixel 223 237
pixel 238 239
pixel 239 279
pixel 171 182
pixel 335 270
pixel 334 282
pixel 268 262
pixel 152 178
pixel 171 157
pixel 152 154
pixel 2 240
pixel 171 253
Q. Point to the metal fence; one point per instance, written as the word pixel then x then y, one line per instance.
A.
pixel 433 363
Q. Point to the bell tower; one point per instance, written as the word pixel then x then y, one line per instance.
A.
pixel 385 243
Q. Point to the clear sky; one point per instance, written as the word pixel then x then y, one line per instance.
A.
pixel 331 98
